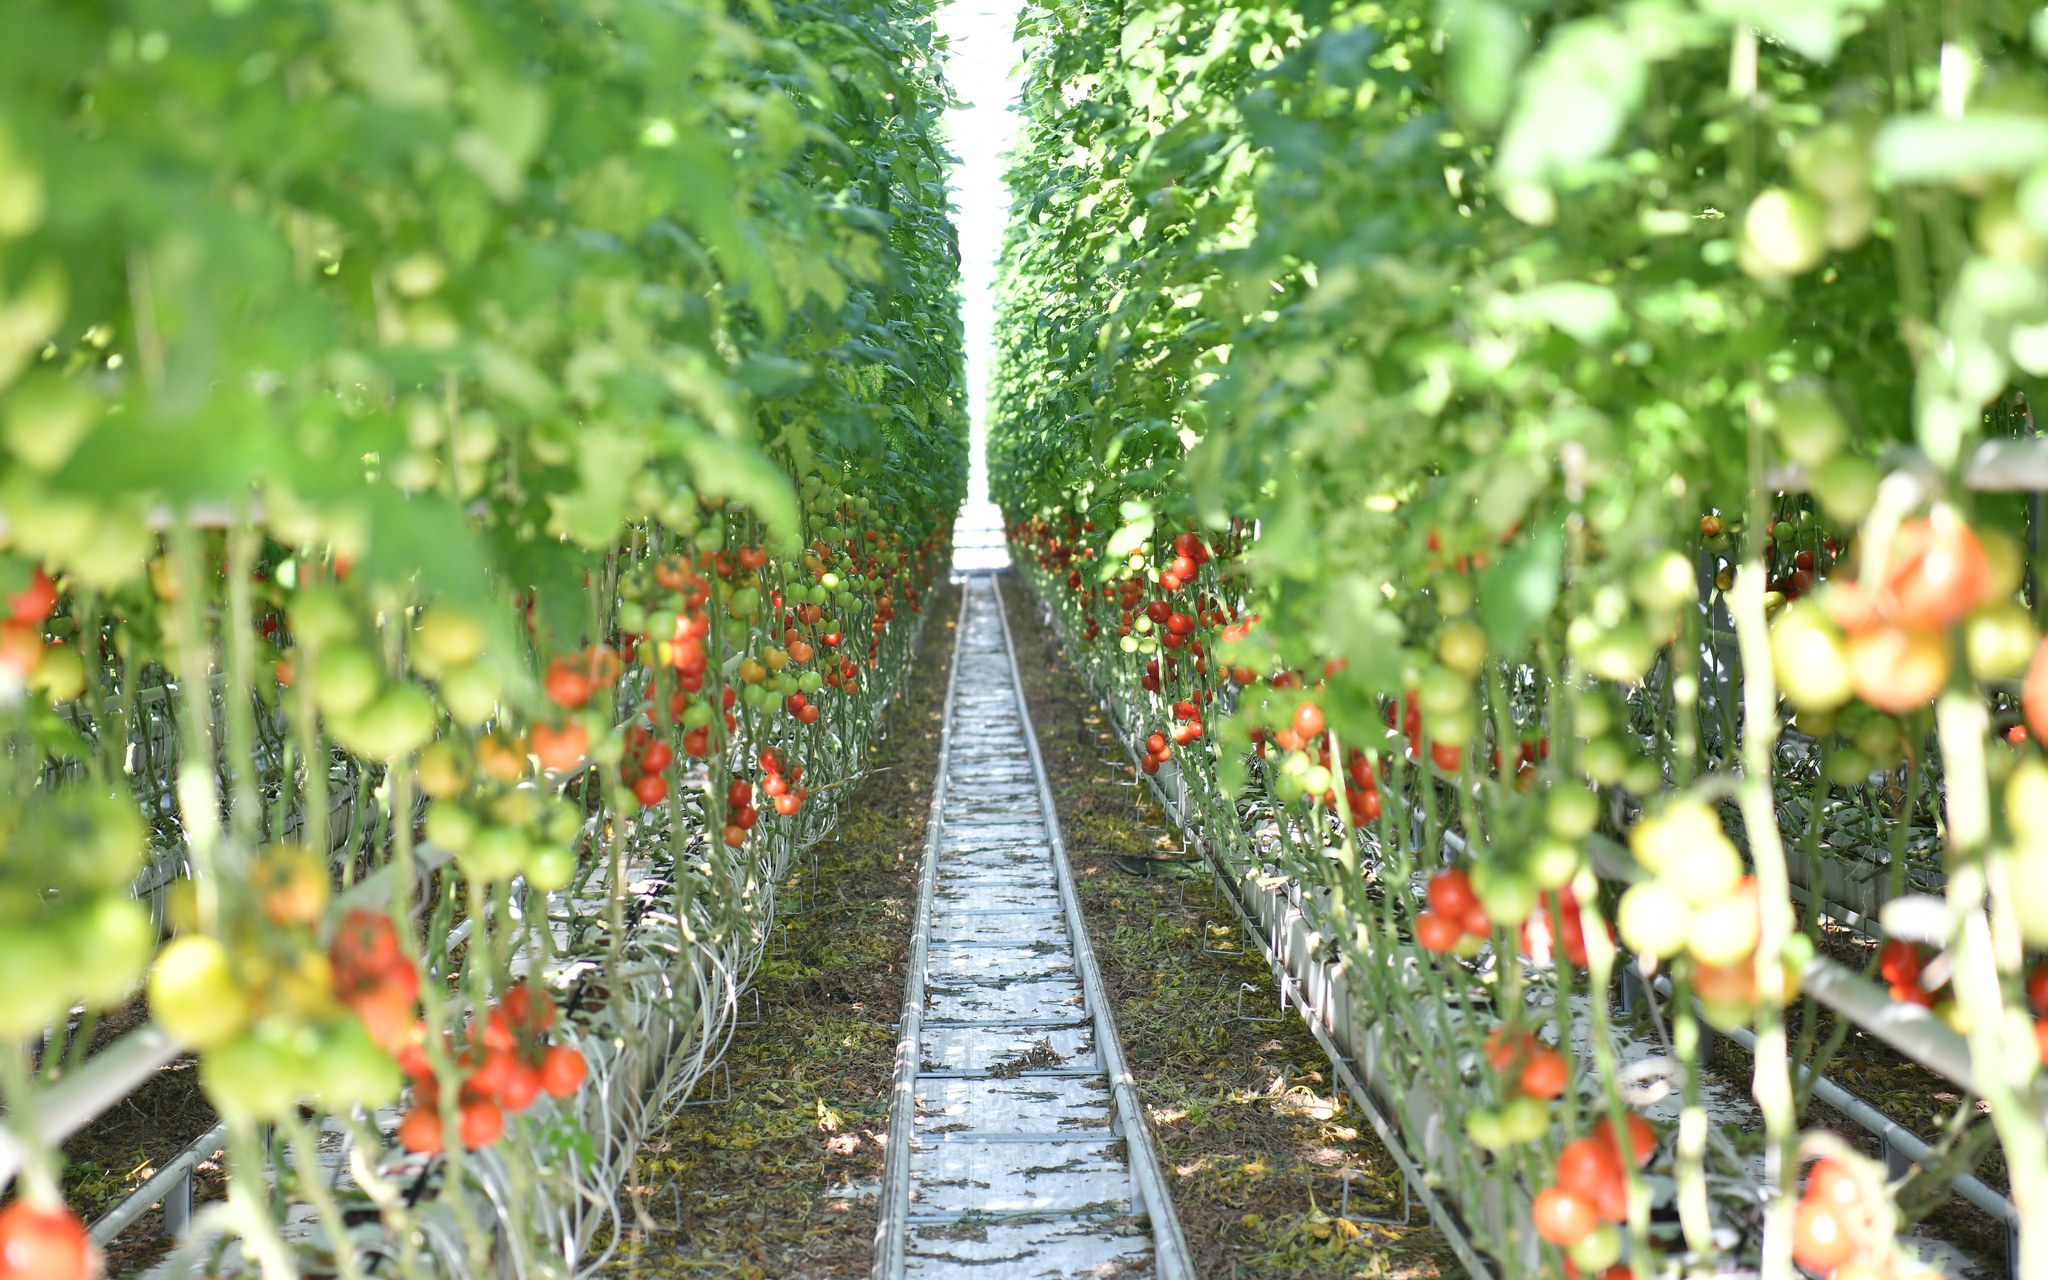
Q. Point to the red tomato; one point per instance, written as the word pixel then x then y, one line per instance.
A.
pixel 562 1071
pixel 1563 1217
pixel 1450 893
pixel 1546 1074
pixel 40 1243
pixel 1438 933
pixel 482 1122
pixel 1898 962
pixel 566 686
pixel 420 1130
pixel 34 602
pixel 1308 720
pixel 1830 1183
pixel 1900 669
pixel 1588 1166
pixel 650 789
pixel 1642 1138
pixel 1821 1239
pixel 560 750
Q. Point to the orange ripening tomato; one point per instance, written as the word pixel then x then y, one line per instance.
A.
pixel 1938 573
pixel 2034 694
pixel 1898 669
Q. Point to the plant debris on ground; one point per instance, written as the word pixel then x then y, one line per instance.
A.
pixel 1257 1141
pixel 779 1179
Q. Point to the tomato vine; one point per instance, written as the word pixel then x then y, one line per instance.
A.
pixel 1453 428
pixel 470 473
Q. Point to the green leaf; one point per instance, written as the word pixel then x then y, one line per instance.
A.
pixel 743 474
pixel 1136 528
pixel 424 541
pixel 1519 591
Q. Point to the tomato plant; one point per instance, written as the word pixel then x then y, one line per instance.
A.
pixel 446 449
pixel 1558 397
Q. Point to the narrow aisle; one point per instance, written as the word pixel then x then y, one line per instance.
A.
pixel 1008 1125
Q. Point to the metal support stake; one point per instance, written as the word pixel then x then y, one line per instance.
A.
pixel 178 1207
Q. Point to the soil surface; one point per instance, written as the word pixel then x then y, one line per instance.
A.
pixel 779 1179
pixel 1239 1093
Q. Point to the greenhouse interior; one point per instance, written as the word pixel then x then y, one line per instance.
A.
pixel 987 639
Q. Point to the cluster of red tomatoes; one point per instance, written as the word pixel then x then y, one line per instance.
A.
pixel 374 978
pixel 781 782
pixel 27 658
pixel 1836 1230
pixel 644 764
pixel 1588 1197
pixel 507 1066
pixel 1537 1070
pixel 1454 915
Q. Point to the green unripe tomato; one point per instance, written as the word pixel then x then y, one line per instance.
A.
pixel 1524 1120
pixel 1598 1251
pixel 1999 640
pixel 1507 893
pixel 398 723
pixel 59 674
pixel 1553 862
pixel 1846 767
pixel 1442 693
pixel 454 636
pixel 321 618
pixel 111 939
pixel 1784 233
pixel 1664 583
pixel 1809 427
pixel 1723 932
pixel 1571 813
pixel 345 679
pixel 1881 739
pixel 348 1069
pixel 34 995
pixel 1484 1128
pixel 1605 760
pixel 2026 800
pixel 1643 777
pixel 1453 596
pixel 1461 648
pixel 2027 878
pixel 495 854
pixel 550 868
pixel 1845 486
pixel 471 693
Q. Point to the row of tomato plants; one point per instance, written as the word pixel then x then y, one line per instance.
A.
pixel 1489 421
pixel 491 420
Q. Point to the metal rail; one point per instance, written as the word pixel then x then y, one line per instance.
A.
pixel 1171 1259
pixel 891 1238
